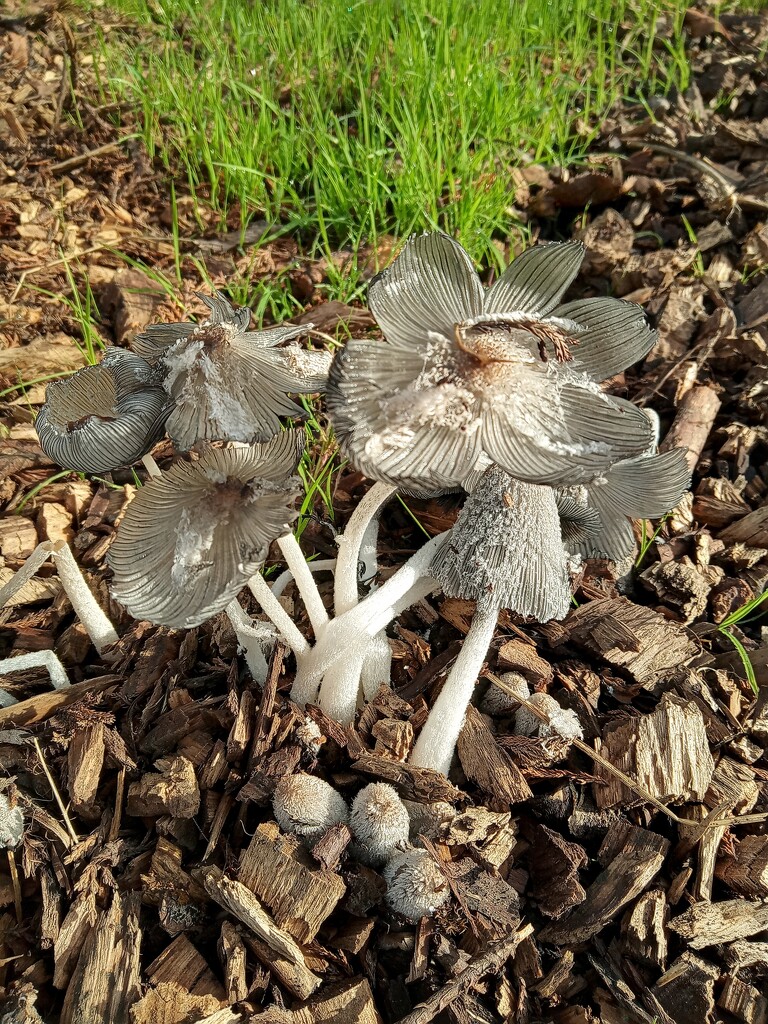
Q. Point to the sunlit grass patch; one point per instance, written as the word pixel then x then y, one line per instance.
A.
pixel 343 121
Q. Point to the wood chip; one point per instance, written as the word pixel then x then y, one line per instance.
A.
pixel 633 867
pixel 420 784
pixel 644 930
pixel 743 1001
pixel 686 991
pixel 486 764
pixel 279 871
pixel 171 790
pixel 709 924
pixel 348 1002
pixel 666 752
pixel 631 638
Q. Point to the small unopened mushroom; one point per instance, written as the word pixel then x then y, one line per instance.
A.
pixel 192 538
pixel 307 806
pixel 105 416
pixel 505 551
pixel 416 887
pixel 498 702
pixel 229 383
pixel 379 822
pixel 562 721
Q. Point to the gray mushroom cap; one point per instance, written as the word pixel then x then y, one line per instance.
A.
pixel 103 417
pixel 192 538
pixel 643 488
pixel 229 383
pixel 506 550
pixel 508 372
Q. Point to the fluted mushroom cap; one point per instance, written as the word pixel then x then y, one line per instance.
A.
pixel 643 488
pixel 507 371
pixel 192 538
pixel 229 383
pixel 379 822
pixel 103 417
pixel 506 550
pixel 307 806
pixel 416 887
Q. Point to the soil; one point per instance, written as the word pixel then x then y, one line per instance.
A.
pixel 624 878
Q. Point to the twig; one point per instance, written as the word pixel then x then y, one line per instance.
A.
pixel 114 825
pixel 56 793
pixel 489 962
pixel 83 158
pixel 16 885
pixel 709 822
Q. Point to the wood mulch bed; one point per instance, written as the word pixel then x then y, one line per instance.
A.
pixel 622 879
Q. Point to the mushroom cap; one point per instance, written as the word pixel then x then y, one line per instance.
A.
pixel 192 538
pixel 379 822
pixel 416 887
pixel 229 383
pixel 105 416
pixel 466 371
pixel 563 721
pixel 643 488
pixel 506 550
pixel 498 702
pixel 307 806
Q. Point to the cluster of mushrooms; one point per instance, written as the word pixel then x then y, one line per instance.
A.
pixel 493 391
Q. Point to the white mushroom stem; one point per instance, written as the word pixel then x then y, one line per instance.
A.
pixel 275 611
pixel 99 628
pixel 304 580
pixel 252 637
pixel 346 634
pixel 151 467
pixel 320 565
pixel 40 555
pixel 345 583
pixel 377 665
pixel 35 659
pixel 437 740
pixel 341 686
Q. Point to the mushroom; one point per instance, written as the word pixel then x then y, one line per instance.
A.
pixel 642 488
pixel 416 887
pixel 229 383
pixel 379 822
pixel 103 417
pixel 505 551
pixel 192 538
pixel 507 372
pixel 562 721
pixel 11 823
pixel 307 806
pixel 502 702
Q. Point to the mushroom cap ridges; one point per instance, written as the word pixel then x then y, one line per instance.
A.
pixel 192 538
pixel 416 887
pixel 307 806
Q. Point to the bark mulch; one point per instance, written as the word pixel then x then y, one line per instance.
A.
pixel 622 879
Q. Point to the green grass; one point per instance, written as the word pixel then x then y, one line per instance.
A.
pixel 342 121
pixel 742 614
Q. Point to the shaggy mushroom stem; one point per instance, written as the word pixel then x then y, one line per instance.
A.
pixel 272 608
pixel 35 659
pixel 151 467
pixel 320 565
pixel 338 656
pixel 350 542
pixel 437 740
pixel 305 583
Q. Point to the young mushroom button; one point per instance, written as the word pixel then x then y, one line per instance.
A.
pixel 229 383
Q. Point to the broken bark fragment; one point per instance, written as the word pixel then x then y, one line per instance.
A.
pixel 486 764
pixel 686 991
pixel 172 790
pixel 709 924
pixel 666 752
pixel 638 859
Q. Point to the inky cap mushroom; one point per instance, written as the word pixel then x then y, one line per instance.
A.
pixel 192 538
pixel 643 488
pixel 103 417
pixel 506 550
pixel 506 371
pixel 229 383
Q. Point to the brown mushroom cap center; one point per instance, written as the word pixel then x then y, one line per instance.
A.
pixel 506 341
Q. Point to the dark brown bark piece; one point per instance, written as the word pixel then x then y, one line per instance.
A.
pixel 420 784
pixel 486 764
pixel 554 865
pixel 709 924
pixel 686 991
pixel 638 859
